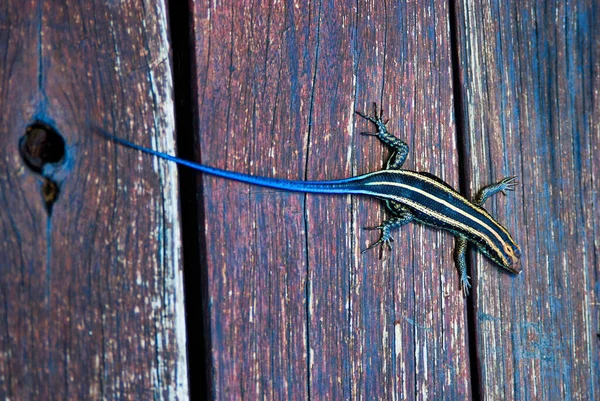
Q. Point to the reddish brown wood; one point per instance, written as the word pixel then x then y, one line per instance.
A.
pixel 530 86
pixel 90 298
pixel 295 310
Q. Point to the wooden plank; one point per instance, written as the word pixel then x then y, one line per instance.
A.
pixel 295 310
pixel 530 77
pixel 91 305
pixel 256 262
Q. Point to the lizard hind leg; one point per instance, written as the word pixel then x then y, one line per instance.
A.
pixel 398 146
pixel 386 238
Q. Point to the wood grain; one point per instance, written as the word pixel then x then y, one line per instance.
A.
pixel 529 84
pixel 91 305
pixel 91 302
pixel 295 310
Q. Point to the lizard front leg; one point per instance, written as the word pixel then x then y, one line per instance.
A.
pixel 507 184
pixel 460 257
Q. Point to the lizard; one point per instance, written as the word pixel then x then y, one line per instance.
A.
pixel 409 196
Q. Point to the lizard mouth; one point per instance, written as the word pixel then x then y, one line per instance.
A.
pixel 515 266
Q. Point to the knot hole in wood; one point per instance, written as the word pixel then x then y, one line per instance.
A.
pixel 42 147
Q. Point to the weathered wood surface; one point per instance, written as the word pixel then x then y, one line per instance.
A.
pixel 279 86
pixel 530 85
pixel 91 304
pixel 295 310
pixel 90 298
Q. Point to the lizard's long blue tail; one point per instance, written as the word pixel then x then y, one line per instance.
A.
pixel 343 186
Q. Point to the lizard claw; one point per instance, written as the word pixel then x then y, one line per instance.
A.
pixel 508 184
pixel 385 241
pixel 376 118
pixel 465 285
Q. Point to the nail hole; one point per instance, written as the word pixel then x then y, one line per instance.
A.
pixel 40 145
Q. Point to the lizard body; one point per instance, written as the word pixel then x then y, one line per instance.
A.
pixel 409 196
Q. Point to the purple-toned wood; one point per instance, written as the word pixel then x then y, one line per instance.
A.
pixel 91 305
pixel 90 298
pixel 295 310
pixel 529 90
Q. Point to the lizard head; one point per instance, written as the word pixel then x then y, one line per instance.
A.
pixel 504 253
pixel 512 258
